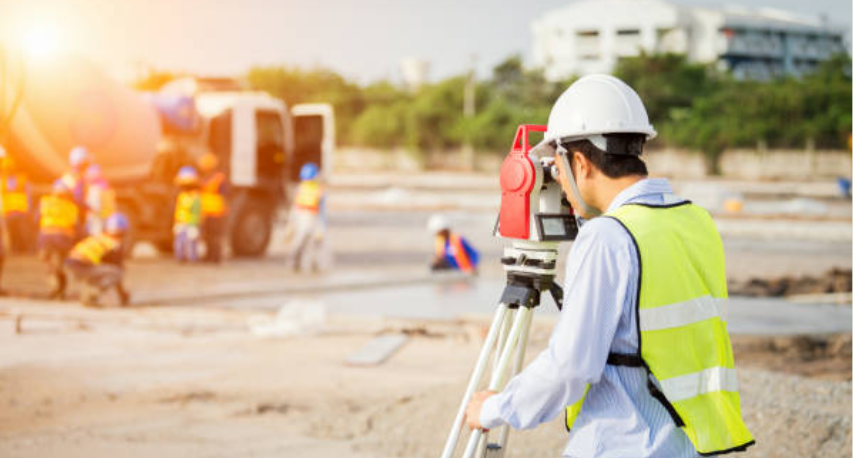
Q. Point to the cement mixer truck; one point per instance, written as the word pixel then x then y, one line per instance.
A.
pixel 142 139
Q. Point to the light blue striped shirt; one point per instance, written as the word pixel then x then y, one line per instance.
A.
pixel 619 417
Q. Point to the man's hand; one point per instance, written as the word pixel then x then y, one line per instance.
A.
pixel 475 405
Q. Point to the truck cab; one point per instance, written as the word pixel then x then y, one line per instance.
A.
pixel 261 144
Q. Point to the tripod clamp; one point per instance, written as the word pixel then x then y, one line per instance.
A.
pixel 524 290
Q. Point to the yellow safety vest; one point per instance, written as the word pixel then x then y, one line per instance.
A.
pixel 684 341
pixel 308 195
pixel 93 249
pixel 58 215
pixel 15 199
pixel 188 208
pixel 212 201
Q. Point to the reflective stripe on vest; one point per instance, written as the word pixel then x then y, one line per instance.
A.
pixel 308 195
pixel 188 208
pixel 681 305
pixel 212 201
pixel 57 215
pixel 14 193
pixel 93 249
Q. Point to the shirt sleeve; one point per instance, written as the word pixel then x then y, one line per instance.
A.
pixel 598 273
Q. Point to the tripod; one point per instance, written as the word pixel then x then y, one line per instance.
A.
pixel 530 268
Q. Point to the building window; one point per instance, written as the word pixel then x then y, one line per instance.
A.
pixel 588 44
pixel 627 42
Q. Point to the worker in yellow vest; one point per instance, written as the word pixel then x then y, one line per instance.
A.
pixel 640 361
pixel 188 216
pixel 214 206
pixel 58 216
pixel 98 262
pixel 100 200
pixel 305 231
pixel 79 159
pixel 16 200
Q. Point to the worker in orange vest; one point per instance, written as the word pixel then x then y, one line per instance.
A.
pixel 452 251
pixel 306 226
pixel 16 199
pixel 98 262
pixel 58 216
pixel 214 206
pixel 100 200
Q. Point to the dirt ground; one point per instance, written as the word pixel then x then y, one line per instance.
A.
pixel 172 381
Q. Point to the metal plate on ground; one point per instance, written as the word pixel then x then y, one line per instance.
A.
pixel 377 350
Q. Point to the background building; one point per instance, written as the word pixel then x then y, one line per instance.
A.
pixel 591 36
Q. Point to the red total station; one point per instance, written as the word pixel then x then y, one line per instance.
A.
pixel 518 179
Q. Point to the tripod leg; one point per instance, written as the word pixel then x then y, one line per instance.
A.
pixel 519 362
pixel 499 351
pixel 521 319
pixel 479 368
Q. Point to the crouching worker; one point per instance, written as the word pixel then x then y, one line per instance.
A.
pixel 452 251
pixel 58 216
pixel 97 262
pixel 187 224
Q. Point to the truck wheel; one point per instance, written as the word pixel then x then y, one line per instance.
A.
pixel 251 230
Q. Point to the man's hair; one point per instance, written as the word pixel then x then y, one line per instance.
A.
pixel 614 164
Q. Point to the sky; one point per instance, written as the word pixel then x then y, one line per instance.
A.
pixel 364 40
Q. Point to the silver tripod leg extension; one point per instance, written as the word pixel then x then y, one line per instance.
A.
pixel 522 318
pixel 482 360
pixel 519 362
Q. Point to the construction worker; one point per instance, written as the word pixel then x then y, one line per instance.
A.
pixel 188 216
pixel 80 160
pixel 640 361
pixel 98 262
pixel 58 217
pixel 100 200
pixel 16 199
pixel 214 208
pixel 452 251
pixel 306 225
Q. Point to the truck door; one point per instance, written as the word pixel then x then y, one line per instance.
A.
pixel 271 159
pixel 314 138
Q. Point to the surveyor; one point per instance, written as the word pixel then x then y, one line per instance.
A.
pixel 97 262
pixel 214 207
pixel 79 159
pixel 452 251
pixel 305 231
pixel 16 199
pixel 100 199
pixel 58 216
pixel 188 217
pixel 639 361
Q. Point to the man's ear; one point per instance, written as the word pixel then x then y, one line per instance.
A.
pixel 581 165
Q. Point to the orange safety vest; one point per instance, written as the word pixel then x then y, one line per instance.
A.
pixel 454 249
pixel 108 203
pixel 15 198
pixel 93 249
pixel 212 201
pixel 187 209
pixel 308 195
pixel 58 215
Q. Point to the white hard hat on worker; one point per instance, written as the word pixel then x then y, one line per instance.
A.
pixel 596 105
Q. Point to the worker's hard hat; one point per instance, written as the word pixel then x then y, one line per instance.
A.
pixel 94 172
pixel 309 171
pixel 116 224
pixel 437 223
pixel 208 161
pixel 60 186
pixel 596 105
pixel 2 151
pixel 187 175
pixel 78 156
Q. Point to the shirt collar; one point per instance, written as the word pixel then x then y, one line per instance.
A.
pixel 641 191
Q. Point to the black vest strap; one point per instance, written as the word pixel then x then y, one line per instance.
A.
pixel 622 359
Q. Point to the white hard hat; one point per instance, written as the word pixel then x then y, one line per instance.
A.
pixel 78 155
pixel 596 105
pixel 437 223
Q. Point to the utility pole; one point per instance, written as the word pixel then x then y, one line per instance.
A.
pixel 468 112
